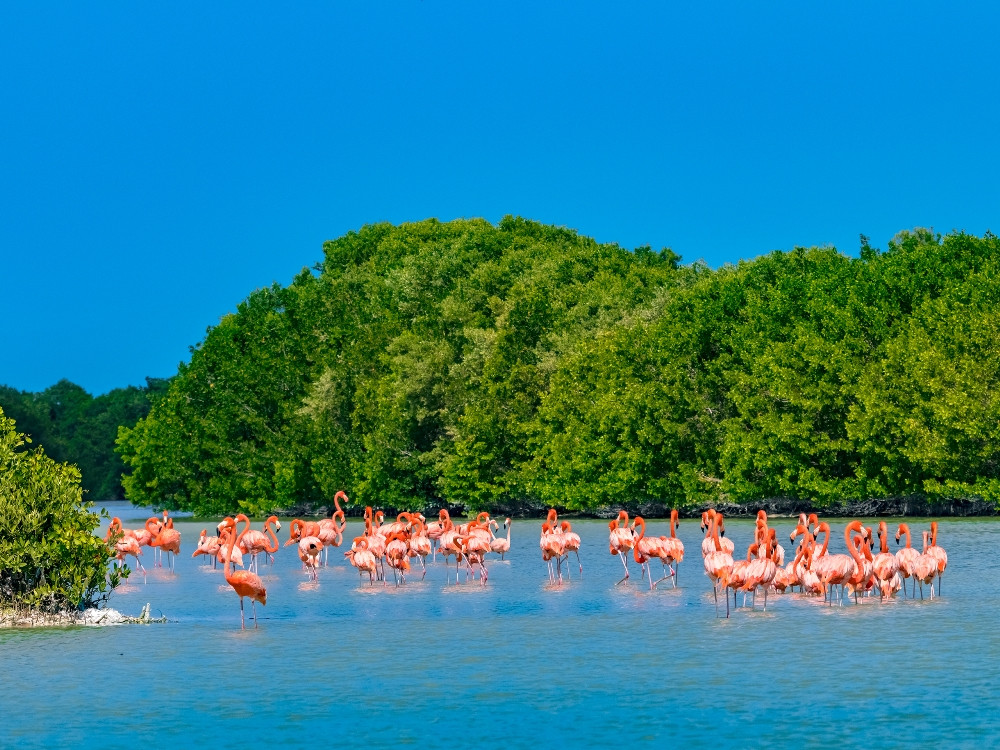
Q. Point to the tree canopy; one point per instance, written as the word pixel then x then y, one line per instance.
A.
pixel 468 364
pixel 50 558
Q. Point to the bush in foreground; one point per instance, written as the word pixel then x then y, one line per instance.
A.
pixel 50 558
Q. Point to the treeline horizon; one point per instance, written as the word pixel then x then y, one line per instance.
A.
pixel 75 427
pixel 464 364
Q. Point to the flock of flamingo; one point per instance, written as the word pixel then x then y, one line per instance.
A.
pixel 410 537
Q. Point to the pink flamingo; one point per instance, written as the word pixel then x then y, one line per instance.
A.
pixel 885 565
pixel 361 558
pixel 553 545
pixel 621 539
pixel 167 539
pixel 420 544
pixel 718 564
pixel 501 545
pixel 906 556
pixel 310 548
pixel 254 542
pixel 244 583
pixel 572 541
pixel 708 544
pixel 939 553
pixel 644 548
pixel 924 568
pixel 207 545
pixel 672 547
pixel 397 554
pixel 125 544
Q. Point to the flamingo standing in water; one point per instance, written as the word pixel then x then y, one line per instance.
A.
pixel 244 583
pixel 361 558
pixel 501 545
pixel 207 545
pixel 885 565
pixel 553 545
pixel 572 540
pixel 718 564
pixel 644 548
pixel 420 544
pixel 254 542
pixel 167 539
pixel 939 553
pixel 621 539
pixel 906 556
pixel 925 568
pixel 125 544
pixel 310 548
pixel 672 547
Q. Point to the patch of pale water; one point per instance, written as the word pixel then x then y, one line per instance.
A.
pixel 518 662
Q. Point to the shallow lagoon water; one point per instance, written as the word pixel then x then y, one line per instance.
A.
pixel 518 662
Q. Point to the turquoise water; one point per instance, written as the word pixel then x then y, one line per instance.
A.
pixel 518 662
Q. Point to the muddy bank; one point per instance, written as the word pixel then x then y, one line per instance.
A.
pixel 911 505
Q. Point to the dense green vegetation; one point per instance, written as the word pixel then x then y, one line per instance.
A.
pixel 486 366
pixel 49 557
pixel 71 425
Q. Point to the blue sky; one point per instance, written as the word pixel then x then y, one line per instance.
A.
pixel 158 162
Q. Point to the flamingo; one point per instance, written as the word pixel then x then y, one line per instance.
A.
pixel 718 563
pixel 673 548
pixel 830 569
pixel 166 539
pixel 207 545
pixel 254 542
pixel 310 548
pixel 125 544
pixel 762 570
pixel 553 545
pixel 644 548
pixel 885 565
pixel 361 558
pixel 924 567
pixel 397 553
pixel 621 539
pixel 906 556
pixel 501 545
pixel 420 544
pixel 572 540
pixel 244 583
pixel 708 544
pixel 939 553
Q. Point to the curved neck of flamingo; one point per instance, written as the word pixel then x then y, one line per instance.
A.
pixel 274 537
pixel 933 533
pixel 340 494
pixel 154 532
pixel 508 529
pixel 343 521
pixel 673 524
pixel 905 529
pixel 926 536
pixel 826 540
pixel 641 523
pixel 233 538
pixel 853 550
pixel 715 533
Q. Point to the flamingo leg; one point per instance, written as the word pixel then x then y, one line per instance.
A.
pixel 243 623
pixel 625 563
pixel 253 605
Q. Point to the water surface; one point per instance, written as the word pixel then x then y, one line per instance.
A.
pixel 517 662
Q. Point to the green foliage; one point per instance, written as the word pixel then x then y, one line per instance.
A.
pixel 73 426
pixel 49 556
pixel 473 364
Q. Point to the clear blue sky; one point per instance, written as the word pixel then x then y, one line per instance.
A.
pixel 159 161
